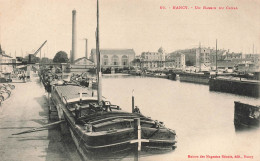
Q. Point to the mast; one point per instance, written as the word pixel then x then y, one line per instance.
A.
pixel 99 74
pixel 86 50
pixel 253 48
pixel 199 58
pixel 216 57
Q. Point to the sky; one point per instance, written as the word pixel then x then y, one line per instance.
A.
pixel 128 24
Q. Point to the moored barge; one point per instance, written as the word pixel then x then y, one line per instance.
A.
pixel 235 85
pixel 105 129
pixel 199 78
pixel 246 115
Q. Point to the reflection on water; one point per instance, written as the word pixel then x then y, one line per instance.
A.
pixel 244 129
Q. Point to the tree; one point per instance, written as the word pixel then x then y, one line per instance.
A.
pixel 61 57
pixel 136 62
pixel 46 60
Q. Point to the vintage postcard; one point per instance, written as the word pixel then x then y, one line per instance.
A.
pixel 149 80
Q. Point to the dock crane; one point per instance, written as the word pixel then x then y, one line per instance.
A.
pixel 36 52
pixel 29 60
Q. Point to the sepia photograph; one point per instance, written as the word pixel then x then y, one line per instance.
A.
pixel 129 80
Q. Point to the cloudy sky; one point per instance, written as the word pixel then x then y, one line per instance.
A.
pixel 137 24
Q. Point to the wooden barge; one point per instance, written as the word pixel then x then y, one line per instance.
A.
pixel 235 85
pixel 106 130
pixel 246 115
pixel 199 78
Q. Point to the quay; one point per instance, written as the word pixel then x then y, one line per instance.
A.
pixel 26 109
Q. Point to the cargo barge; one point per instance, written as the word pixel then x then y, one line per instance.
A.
pixel 246 115
pixel 104 130
pixel 234 85
pixel 200 78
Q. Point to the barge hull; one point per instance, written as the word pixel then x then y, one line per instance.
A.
pixel 246 115
pixel 246 88
pixel 194 78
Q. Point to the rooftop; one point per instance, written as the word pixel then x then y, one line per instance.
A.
pixel 82 58
pixel 114 51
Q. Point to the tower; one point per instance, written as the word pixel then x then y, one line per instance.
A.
pixel 74 38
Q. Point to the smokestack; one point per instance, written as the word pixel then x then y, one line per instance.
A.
pixel 74 37
pixel 86 52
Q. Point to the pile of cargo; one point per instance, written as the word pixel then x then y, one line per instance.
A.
pixel 5 91
pixel 48 77
pixel 81 79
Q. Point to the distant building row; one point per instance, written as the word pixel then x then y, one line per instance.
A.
pixel 5 69
pixel 203 59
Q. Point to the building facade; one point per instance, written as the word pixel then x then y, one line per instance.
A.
pixel 176 61
pixel 224 55
pixel 5 69
pixel 202 57
pixel 152 60
pixel 190 56
pixel 230 56
pixel 114 57
pixel 80 65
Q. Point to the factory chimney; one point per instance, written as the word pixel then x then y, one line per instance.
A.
pixel 74 38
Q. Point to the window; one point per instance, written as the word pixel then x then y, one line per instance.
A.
pixel 105 60
pixel 124 60
pixel 115 60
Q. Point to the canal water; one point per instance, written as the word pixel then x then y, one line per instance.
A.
pixel 203 120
